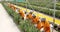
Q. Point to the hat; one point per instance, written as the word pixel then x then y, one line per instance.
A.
pixel 43 19
pixel 31 10
pixel 33 16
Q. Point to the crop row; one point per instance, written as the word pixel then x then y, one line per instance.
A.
pixel 24 26
pixel 36 8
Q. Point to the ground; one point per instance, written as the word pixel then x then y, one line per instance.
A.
pixel 6 22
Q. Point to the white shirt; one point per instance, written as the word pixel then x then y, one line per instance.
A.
pixel 17 10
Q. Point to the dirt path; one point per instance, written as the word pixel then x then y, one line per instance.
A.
pixel 6 22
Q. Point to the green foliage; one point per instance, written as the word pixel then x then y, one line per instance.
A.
pixel 27 26
pixel 42 10
pixel 24 25
pixel 12 13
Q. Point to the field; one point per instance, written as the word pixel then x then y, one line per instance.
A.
pixel 42 8
pixel 39 8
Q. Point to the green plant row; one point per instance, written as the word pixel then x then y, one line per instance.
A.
pixel 46 3
pixel 45 11
pixel 12 13
pixel 24 25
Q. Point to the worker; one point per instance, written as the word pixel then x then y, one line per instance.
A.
pixel 17 10
pixel 25 14
pixel 21 12
pixel 29 15
pixel 45 25
pixel 35 19
pixel 14 8
pixel 11 5
pixel 38 25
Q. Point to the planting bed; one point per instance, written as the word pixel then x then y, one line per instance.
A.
pixel 24 26
pixel 36 8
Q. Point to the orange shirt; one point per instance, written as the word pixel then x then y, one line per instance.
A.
pixel 35 20
pixel 21 13
pixel 46 26
pixel 11 5
pixel 29 16
pixel 14 8
pixel 39 25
